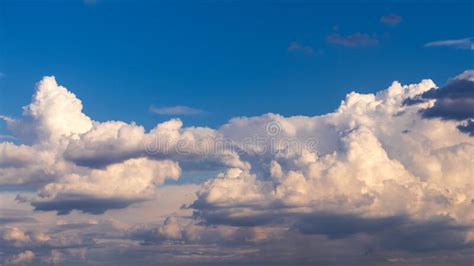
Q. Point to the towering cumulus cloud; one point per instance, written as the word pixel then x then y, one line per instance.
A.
pixel 391 171
pixel 379 165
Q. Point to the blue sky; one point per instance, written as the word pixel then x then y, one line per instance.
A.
pixel 121 58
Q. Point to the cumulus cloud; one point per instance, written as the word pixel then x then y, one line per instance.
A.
pixel 177 110
pixel 453 101
pixel 81 164
pixel 54 113
pixel 376 172
pixel 465 43
pixel 117 186
pixel 353 40
pixel 22 258
pixel 377 159
pixel 44 246
pixel 391 19
pixel 15 235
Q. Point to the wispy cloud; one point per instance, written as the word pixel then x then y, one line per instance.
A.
pixel 298 47
pixel 7 137
pixel 391 19
pixel 353 40
pixel 177 110
pixel 465 43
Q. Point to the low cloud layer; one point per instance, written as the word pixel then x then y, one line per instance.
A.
pixel 388 173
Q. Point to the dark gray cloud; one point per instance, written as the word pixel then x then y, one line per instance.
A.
pixel 353 40
pixel 14 220
pixel 341 226
pixel 393 233
pixel 467 128
pixel 390 233
pixel 454 101
pixel 91 205
pixel 391 19
pixel 102 159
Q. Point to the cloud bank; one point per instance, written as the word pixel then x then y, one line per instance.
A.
pixel 388 173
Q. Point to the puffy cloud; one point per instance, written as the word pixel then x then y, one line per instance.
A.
pixel 45 246
pixel 453 101
pixel 81 164
pixel 185 230
pixel 22 164
pixel 53 114
pixel 116 186
pixel 377 159
pixel 374 172
pixel 55 257
pixel 15 235
pixel 22 258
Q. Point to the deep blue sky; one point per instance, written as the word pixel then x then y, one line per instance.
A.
pixel 229 58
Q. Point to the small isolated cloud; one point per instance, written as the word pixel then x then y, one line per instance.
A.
pixel 177 110
pixel 391 19
pixel 353 40
pixel 465 43
pixel 297 47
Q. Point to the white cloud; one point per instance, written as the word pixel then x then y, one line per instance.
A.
pixel 116 186
pixel 376 166
pixel 465 43
pixel 376 158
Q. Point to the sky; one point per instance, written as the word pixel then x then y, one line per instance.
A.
pixel 236 132
pixel 123 57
